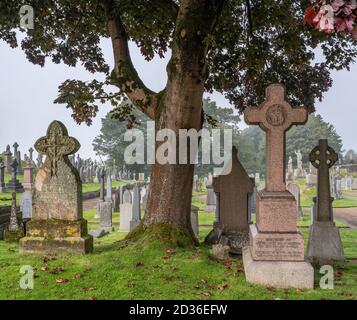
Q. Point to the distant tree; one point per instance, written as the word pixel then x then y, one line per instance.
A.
pixel 304 138
pixel 218 118
pixel 110 142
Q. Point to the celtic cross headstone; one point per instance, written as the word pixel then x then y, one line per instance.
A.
pixel 57 222
pixel 325 245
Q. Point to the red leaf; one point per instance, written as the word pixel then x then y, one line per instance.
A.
pixel 310 14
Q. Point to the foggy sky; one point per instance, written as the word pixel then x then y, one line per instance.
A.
pixel 27 93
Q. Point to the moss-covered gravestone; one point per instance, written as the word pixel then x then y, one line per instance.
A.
pixel 15 229
pixel 57 223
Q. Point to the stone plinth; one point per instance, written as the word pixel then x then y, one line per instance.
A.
pixel 56 236
pixel 277 212
pixel 278 274
pixel 276 246
pixel 325 245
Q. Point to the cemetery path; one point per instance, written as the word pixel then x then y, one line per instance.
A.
pixel 90 204
pixel 347 216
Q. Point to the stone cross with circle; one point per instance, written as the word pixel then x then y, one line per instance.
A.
pixel 275 116
pixel 323 157
pixel 57 145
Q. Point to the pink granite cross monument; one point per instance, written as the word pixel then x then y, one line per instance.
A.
pixel 275 116
pixel 275 256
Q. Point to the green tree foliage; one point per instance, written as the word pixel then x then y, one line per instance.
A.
pixel 110 142
pixel 251 45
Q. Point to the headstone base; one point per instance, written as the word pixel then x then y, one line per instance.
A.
pixel 14 186
pixel 13 236
pixel 236 241
pixel 56 236
pixel 99 233
pixel 278 274
pixel 276 246
pixel 325 243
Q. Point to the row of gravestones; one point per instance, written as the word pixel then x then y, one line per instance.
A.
pixel 14 185
pixel 273 253
pixel 9 156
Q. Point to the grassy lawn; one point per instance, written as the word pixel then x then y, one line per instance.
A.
pixel 308 193
pixel 5 198
pixel 119 271
pixel 90 187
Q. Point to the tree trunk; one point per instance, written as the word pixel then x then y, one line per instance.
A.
pixel 168 209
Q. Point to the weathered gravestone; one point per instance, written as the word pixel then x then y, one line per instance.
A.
pixel 232 190
pixel 102 193
pixel 324 245
pixel 348 183
pixel 15 230
pixel 194 220
pixel 26 205
pixel 290 172
pixel 130 210
pixel 57 223
pixel 295 191
pixel 14 184
pixel 28 175
pixel 311 177
pixel 354 184
pixel 211 199
pixel 109 193
pixel 8 159
pixel 105 209
pixel 2 176
pixel 275 256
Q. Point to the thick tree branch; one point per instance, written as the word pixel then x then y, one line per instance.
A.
pixel 125 75
pixel 169 6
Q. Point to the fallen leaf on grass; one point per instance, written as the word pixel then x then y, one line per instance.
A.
pixel 138 264
pixel 44 268
pixel 93 298
pixel 46 259
pixel 223 286
pixel 169 253
pixel 338 274
pixel 77 276
pixel 347 294
pixel 62 280
pixel 89 289
pixel 57 270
